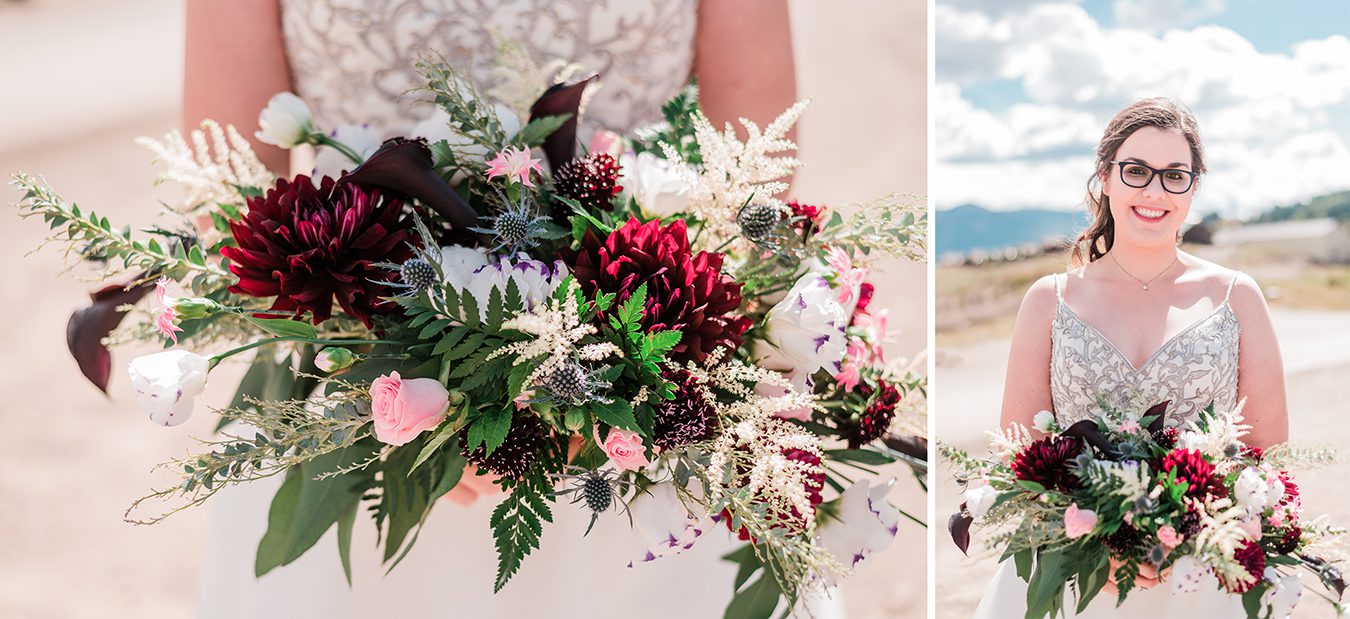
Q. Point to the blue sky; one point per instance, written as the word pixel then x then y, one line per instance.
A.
pixel 1024 88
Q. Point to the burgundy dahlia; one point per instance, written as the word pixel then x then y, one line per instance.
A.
pixel 1252 559
pixel 1290 489
pixel 686 292
pixel 512 459
pixel 686 419
pixel 1192 468
pixel 1046 462
pixel 592 181
pixel 308 245
pixel 876 418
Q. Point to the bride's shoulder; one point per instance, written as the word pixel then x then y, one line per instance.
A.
pixel 1239 289
pixel 1042 297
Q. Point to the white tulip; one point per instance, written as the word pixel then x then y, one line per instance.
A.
pixel 361 139
pixel 167 383
pixel 663 525
pixel 867 524
pixel 285 122
pixel 655 183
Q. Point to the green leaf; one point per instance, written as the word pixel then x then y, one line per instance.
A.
pixel 404 497
pixel 447 430
pixel 284 327
pixel 470 314
pixel 756 601
pixel 515 380
pixel 449 340
pixel 465 348
pixel 630 313
pixel 452 470
pixel 494 308
pixel 656 345
pixel 861 456
pixel 618 414
pixel 491 429
pixel 537 130
pixel 748 561
pixel 433 328
pixel 344 539
pixel 305 507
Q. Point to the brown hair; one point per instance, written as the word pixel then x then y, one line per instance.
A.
pixel 1160 112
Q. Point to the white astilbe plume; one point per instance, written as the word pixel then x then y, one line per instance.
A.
pixel 518 79
pixel 733 172
pixel 218 161
pixel 1221 534
pixel 557 328
pixel 1224 428
pixel 753 440
pixel 1006 442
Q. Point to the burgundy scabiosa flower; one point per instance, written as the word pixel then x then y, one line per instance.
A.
pixel 686 292
pixel 308 245
pixel 809 217
pixel 592 181
pixel 1288 540
pixel 523 445
pixel 876 418
pixel 687 418
pixel 1252 559
pixel 1192 468
pixel 1046 462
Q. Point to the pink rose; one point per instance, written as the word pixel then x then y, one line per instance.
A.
pixel 625 449
pixel 403 408
pixel 1169 536
pixel 1078 522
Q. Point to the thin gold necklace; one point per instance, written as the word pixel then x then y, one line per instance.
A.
pixel 1142 282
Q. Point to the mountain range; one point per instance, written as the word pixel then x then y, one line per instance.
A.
pixel 969 227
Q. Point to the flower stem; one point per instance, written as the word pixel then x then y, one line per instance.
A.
pixel 216 359
pixel 324 140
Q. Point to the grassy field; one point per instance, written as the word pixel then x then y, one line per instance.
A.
pixel 978 303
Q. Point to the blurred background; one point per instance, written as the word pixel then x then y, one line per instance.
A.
pixel 84 78
pixel 1023 91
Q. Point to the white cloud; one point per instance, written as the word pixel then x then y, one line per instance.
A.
pixel 1258 111
pixel 1157 15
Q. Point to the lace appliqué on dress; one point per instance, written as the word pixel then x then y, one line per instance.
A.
pixel 351 60
pixel 1197 366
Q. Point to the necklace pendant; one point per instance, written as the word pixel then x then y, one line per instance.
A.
pixel 1145 286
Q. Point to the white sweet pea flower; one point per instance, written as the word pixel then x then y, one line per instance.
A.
pixel 1283 595
pixel 655 183
pixel 459 263
pixel 438 127
pixel 1044 421
pixel 535 280
pixel 167 383
pixel 285 122
pixel 979 497
pixel 805 331
pixel 361 139
pixel 663 525
pixel 867 524
pixel 1251 491
pixel 1187 575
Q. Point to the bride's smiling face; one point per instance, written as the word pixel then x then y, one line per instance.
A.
pixel 1151 215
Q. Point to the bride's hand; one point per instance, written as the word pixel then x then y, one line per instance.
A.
pixel 1148 577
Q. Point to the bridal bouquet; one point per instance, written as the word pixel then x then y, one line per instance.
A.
pixel 1103 497
pixel 644 327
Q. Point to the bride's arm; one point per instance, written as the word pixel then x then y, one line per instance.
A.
pixel 743 60
pixel 1260 368
pixel 1026 389
pixel 234 62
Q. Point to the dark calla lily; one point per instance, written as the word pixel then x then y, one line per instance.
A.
pixel 404 166
pixel 89 325
pixel 1087 431
pixel 1159 409
pixel 559 100
pixel 959 526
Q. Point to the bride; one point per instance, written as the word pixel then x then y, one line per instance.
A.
pixel 1138 320
pixel 350 60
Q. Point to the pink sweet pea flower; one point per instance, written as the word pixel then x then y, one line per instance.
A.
pixel 515 163
pixel 1130 425
pixel 1078 522
pixel 607 142
pixel 855 359
pixel 875 326
pixel 165 315
pixel 847 278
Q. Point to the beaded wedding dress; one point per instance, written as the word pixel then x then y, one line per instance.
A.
pixel 351 61
pixel 1197 366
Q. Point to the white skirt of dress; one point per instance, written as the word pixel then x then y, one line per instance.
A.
pixel 450 571
pixel 1006 598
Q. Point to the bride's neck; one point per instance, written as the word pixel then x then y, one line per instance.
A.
pixel 1143 262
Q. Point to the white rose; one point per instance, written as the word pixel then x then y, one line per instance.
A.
pixel 867 525
pixel 979 498
pixel 1044 421
pixel 806 329
pixel 1251 491
pixel 1187 575
pixel 663 525
pixel 1283 595
pixel 656 184
pixel 285 122
pixel 167 383
pixel 361 139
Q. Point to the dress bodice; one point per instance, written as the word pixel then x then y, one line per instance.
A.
pixel 1197 366
pixel 351 60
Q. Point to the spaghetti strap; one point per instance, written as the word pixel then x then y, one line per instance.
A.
pixel 1230 286
pixel 1059 288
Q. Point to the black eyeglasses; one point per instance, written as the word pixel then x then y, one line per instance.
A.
pixel 1138 175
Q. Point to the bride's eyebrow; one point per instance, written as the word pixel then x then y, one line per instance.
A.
pixel 1174 164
